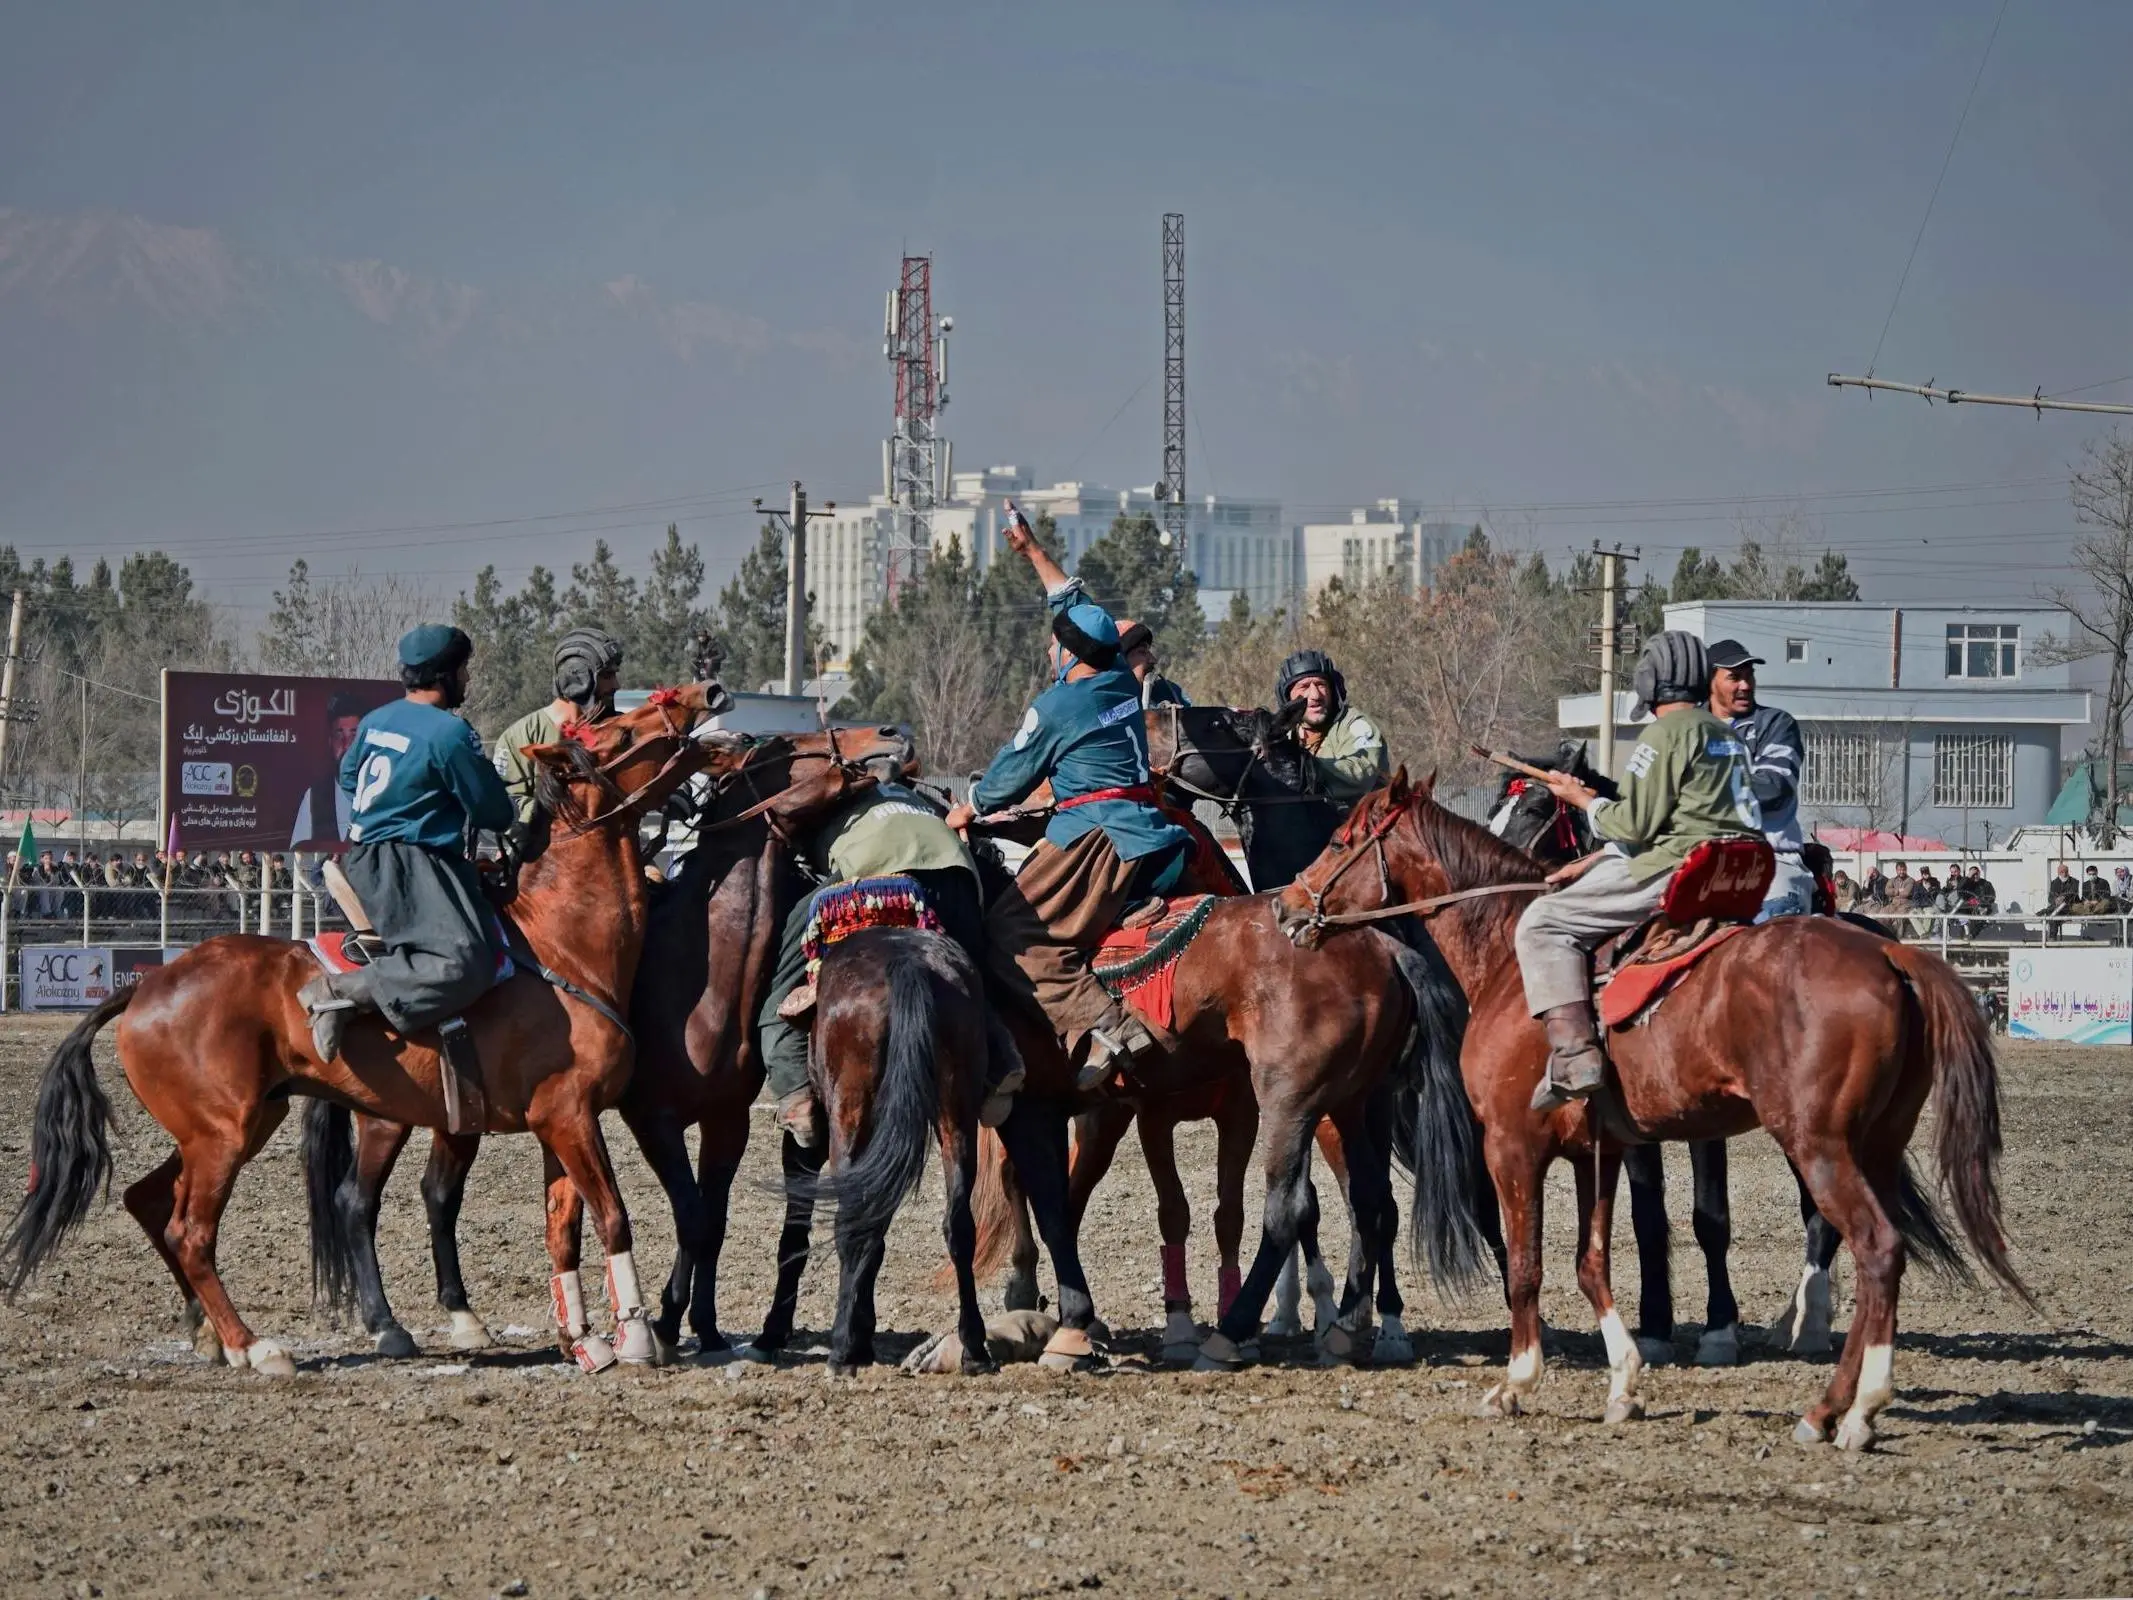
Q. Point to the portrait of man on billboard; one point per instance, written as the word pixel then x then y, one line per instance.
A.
pixel 322 814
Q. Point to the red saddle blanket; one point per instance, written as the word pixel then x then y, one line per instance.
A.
pixel 1139 965
pixel 340 951
pixel 1641 983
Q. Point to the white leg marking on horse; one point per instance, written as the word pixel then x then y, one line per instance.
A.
pixel 1325 1310
pixel 1803 1328
pixel 1288 1302
pixel 1624 1363
pixel 1393 1347
pixel 1181 1336
pixel 469 1332
pixel 1520 1379
pixel 1877 1387
pixel 269 1359
pixel 235 1357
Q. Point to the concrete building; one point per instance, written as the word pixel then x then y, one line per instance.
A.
pixel 1932 721
pixel 1391 536
pixel 1233 544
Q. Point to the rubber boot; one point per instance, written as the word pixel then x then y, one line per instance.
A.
pixel 332 999
pixel 1116 1043
pixel 1004 1074
pixel 1576 1065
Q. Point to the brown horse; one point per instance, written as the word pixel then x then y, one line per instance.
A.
pixel 215 1043
pixel 711 941
pixel 1830 1038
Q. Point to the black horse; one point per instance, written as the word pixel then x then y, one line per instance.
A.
pixel 1527 814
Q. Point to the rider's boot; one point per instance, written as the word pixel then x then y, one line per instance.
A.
pixel 1576 1066
pixel 1004 1074
pixel 1119 1041
pixel 800 1115
pixel 331 999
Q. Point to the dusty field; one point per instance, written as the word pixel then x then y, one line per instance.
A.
pixel 128 1466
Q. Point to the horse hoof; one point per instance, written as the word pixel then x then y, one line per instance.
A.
pixel 1069 1350
pixel 207 1343
pixel 634 1343
pixel 1021 1293
pixel 1719 1347
pixel 592 1353
pixel 1218 1353
pixel 1336 1347
pixel 1180 1353
pixel 269 1359
pixel 469 1332
pixel 1626 1409
pixel 1248 1352
pixel 1099 1330
pixel 396 1342
pixel 1809 1342
pixel 1392 1350
pixel 755 1355
pixel 1501 1402
pixel 1805 1432
pixel 1655 1351
pixel 1855 1433
pixel 1285 1326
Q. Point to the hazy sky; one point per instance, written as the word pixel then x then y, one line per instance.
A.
pixel 268 283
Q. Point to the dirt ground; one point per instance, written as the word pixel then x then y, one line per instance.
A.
pixel 130 1466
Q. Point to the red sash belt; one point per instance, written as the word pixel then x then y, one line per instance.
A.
pixel 1139 791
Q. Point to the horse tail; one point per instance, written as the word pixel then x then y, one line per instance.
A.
pixel 1966 1087
pixel 329 1164
pixel 70 1150
pixel 906 1102
pixel 1444 1151
pixel 993 1204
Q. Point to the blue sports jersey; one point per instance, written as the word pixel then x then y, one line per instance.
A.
pixel 417 775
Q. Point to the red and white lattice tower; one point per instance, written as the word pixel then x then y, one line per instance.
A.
pixel 914 457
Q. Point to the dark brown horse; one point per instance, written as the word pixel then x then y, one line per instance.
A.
pixel 214 1043
pixel 711 941
pixel 1830 1038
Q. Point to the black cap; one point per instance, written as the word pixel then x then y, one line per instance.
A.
pixel 1731 653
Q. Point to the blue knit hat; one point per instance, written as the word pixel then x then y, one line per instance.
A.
pixel 431 643
pixel 1088 633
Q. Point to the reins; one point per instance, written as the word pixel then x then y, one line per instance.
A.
pixel 1230 804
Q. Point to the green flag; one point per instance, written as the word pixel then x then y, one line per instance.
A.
pixel 27 850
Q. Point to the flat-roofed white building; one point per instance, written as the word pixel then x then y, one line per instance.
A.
pixel 1390 536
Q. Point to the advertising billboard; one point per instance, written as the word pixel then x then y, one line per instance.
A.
pixel 2074 996
pixel 251 761
pixel 64 977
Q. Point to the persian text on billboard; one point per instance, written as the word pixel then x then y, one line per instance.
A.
pixel 2077 996
pixel 251 761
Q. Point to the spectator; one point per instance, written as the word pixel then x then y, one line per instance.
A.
pixel 2122 883
pixel 1875 891
pixel 2064 891
pixel 1898 887
pixel 1847 892
pixel 2094 890
pixel 1982 893
pixel 140 873
pixel 47 874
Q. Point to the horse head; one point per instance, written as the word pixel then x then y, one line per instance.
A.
pixel 617 769
pixel 1527 815
pixel 793 779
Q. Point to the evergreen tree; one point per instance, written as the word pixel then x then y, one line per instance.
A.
pixel 1831 579
pixel 750 616
pixel 670 615
pixel 1131 573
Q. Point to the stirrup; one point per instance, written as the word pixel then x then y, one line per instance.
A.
pixel 459 1076
pixel 1558 1089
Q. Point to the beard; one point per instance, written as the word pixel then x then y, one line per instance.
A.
pixel 454 690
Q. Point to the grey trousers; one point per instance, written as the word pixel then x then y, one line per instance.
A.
pixel 1560 930
pixel 439 933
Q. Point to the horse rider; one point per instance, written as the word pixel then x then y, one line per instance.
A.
pixel 420 786
pixel 1136 647
pixel 1347 753
pixel 1775 750
pixel 1107 844
pixel 1687 780
pixel 588 666
pixel 888 831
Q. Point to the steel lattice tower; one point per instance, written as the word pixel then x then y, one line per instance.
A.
pixel 1173 482
pixel 913 453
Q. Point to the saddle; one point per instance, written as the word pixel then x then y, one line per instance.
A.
pixel 1137 961
pixel 1713 896
pixel 338 952
pixel 893 901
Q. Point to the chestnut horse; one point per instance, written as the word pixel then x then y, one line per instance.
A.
pixel 711 938
pixel 1811 1027
pixel 214 1044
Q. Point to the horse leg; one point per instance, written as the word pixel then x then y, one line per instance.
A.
pixel 377 1147
pixel 666 1148
pixel 1020 1291
pixel 1803 1326
pixel 1369 1192
pixel 1713 1218
pixel 959 1230
pixel 1173 1216
pixel 718 1159
pixel 207 1172
pixel 565 1215
pixel 859 1251
pixel 444 1188
pixel 801 1167
pixel 1035 1137
pixel 1518 1170
pixel 151 1202
pixel 1864 1381
pixel 1236 1131
pixel 1392 1346
pixel 1288 1198
pixel 1318 1277
pixel 1645 1166
pixel 1596 1214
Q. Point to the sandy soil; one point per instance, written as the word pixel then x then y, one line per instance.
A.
pixel 129 1466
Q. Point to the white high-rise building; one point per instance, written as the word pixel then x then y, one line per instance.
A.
pixel 1390 536
pixel 1232 544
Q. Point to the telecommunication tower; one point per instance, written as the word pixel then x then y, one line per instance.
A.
pixel 1171 490
pixel 914 459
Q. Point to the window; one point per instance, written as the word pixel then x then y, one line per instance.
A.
pixel 1795 649
pixel 1983 649
pixel 1842 769
pixel 1973 769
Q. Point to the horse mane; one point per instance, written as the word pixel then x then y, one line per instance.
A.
pixel 1472 856
pixel 551 789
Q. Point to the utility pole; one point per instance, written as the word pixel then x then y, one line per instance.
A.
pixel 9 711
pixel 1171 490
pixel 795 520
pixel 1610 590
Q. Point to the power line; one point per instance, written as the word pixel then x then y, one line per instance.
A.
pixel 1919 237
pixel 2037 402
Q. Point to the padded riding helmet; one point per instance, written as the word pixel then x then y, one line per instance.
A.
pixel 580 657
pixel 1674 667
pixel 1310 664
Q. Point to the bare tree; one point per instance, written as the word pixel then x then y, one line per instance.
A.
pixel 340 627
pixel 2100 612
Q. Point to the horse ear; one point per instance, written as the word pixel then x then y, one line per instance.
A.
pixel 1399 791
pixel 555 757
pixel 1287 718
pixel 1428 787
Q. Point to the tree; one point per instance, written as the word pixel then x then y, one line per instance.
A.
pixel 514 638
pixel 750 616
pixel 1831 580
pixel 339 627
pixel 2100 613
pixel 669 615
pixel 1131 573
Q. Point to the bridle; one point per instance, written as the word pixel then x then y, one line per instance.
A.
pixel 1562 826
pixel 602 775
pixel 1305 931
pixel 1183 748
pixel 747 774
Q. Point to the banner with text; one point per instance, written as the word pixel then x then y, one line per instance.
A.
pixel 2074 996
pixel 251 761
pixel 64 977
